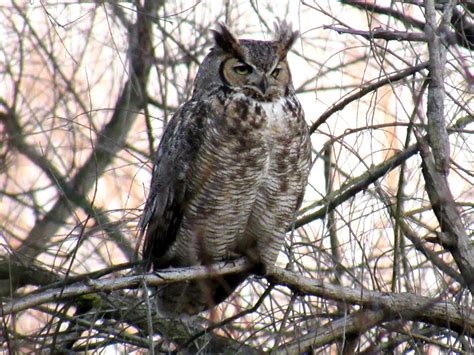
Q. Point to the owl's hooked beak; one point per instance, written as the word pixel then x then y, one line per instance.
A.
pixel 262 85
pixel 259 83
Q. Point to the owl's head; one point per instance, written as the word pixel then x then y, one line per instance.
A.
pixel 256 68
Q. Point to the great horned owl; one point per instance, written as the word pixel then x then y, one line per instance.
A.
pixel 230 170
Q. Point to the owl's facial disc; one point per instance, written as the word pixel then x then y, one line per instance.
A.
pixel 260 84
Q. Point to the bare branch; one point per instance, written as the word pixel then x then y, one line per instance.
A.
pixel 111 139
pixel 364 91
pixel 437 132
pixel 390 11
pixel 453 234
pixel 436 163
pixel 378 33
pixel 405 306
pixel 125 282
pixel 355 323
pixel 70 193
pixel 396 305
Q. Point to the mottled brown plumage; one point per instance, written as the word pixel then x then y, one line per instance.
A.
pixel 230 170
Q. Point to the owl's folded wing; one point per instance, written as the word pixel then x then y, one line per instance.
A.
pixel 167 197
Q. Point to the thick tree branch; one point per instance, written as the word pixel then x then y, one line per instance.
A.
pixel 453 235
pixel 125 282
pixel 352 324
pixel 435 166
pixel 406 306
pixel 109 304
pixel 437 133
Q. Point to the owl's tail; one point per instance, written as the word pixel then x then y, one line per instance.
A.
pixel 184 299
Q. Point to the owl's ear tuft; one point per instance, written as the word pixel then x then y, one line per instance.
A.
pixel 285 37
pixel 225 40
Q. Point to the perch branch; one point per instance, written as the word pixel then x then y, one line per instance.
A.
pixel 407 306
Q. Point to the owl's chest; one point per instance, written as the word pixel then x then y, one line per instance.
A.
pixel 248 123
pixel 249 142
pixel 278 124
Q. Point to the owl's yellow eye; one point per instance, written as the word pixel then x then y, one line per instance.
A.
pixel 276 72
pixel 242 69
